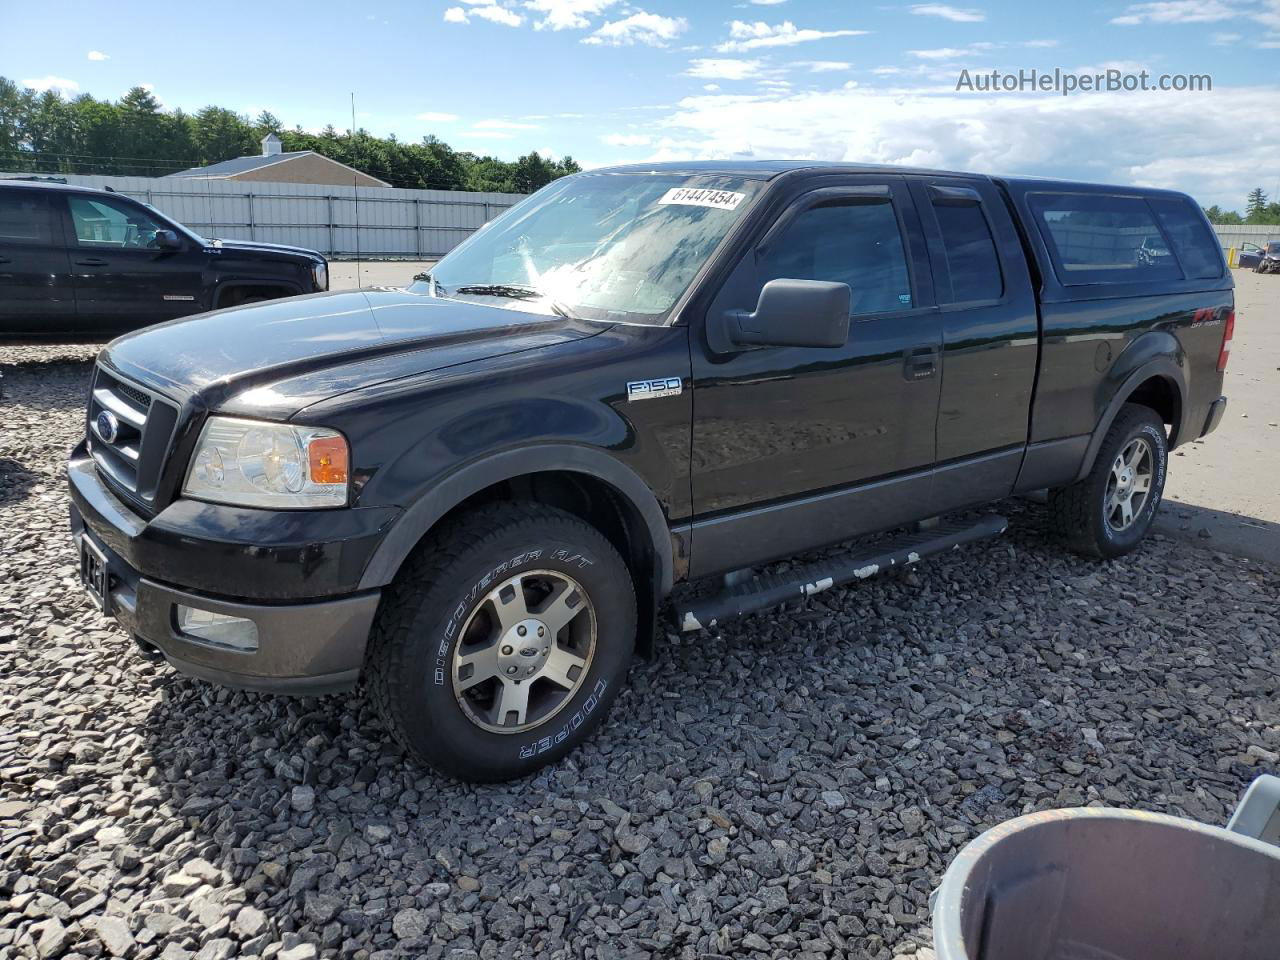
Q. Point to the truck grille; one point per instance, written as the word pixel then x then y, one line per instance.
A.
pixel 128 432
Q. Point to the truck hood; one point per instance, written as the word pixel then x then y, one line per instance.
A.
pixel 272 359
pixel 254 246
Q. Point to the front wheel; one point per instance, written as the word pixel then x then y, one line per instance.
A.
pixel 503 642
pixel 1108 513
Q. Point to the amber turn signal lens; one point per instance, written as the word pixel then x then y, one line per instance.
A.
pixel 328 458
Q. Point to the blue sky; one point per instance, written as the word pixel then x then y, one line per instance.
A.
pixel 616 81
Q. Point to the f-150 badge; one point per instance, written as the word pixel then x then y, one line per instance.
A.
pixel 651 389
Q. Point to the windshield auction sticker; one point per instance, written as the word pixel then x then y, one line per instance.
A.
pixel 694 197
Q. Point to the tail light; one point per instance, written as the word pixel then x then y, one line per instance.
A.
pixel 1228 331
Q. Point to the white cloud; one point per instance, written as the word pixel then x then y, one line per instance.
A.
pixel 1121 66
pixel 566 14
pixel 941 53
pixel 711 87
pixel 745 36
pixel 627 139
pixel 431 116
pixel 947 12
pixel 97 55
pixel 485 10
pixel 1177 11
pixel 1167 140
pixel 491 134
pixel 1226 39
pixel 767 3
pixel 502 125
pixel 51 82
pixel 641 27
pixel 726 69
pixel 823 66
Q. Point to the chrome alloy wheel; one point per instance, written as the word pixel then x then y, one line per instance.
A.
pixel 524 651
pixel 1129 485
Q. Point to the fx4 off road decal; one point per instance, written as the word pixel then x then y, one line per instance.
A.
pixel 543 744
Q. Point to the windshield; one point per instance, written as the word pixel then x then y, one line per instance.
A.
pixel 603 247
pixel 1273 247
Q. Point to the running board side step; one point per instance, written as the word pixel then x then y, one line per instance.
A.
pixel 773 590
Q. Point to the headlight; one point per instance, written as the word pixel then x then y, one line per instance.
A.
pixel 251 463
pixel 320 275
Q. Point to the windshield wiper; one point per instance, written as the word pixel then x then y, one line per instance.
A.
pixel 510 290
pixel 515 292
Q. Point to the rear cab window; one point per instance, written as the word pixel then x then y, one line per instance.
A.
pixel 1197 248
pixel 973 265
pixel 1099 238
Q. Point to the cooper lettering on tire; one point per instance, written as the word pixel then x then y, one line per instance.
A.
pixel 503 641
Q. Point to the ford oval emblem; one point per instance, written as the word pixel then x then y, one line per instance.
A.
pixel 107 426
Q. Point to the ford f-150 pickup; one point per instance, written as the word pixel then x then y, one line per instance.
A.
pixel 475 494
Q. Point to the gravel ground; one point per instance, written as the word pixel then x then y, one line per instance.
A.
pixel 790 785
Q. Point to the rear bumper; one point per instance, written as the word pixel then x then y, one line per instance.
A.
pixel 1214 417
pixel 304 645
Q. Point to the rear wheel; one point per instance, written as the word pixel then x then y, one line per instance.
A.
pixel 502 644
pixel 1108 513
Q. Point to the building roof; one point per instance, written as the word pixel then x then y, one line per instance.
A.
pixel 228 168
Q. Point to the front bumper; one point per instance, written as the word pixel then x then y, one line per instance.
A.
pixel 306 644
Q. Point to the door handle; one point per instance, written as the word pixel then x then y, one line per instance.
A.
pixel 920 363
pixel 91 262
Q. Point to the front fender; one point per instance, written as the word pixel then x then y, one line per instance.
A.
pixel 451 490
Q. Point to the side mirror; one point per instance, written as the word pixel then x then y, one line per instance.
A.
pixel 167 240
pixel 789 313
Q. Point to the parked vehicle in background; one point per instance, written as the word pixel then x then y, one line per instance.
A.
pixel 83 264
pixel 1250 255
pixel 1268 258
pixel 477 492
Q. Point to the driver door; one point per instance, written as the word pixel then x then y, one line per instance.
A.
pixel 122 279
pixel 796 447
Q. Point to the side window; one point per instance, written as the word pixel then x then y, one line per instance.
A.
pixel 25 217
pixel 857 243
pixel 1103 239
pixel 1197 248
pixel 103 224
pixel 971 251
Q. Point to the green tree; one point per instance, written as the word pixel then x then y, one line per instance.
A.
pixel 222 134
pixel 135 135
pixel 1255 206
pixel 267 122
pixel 1226 217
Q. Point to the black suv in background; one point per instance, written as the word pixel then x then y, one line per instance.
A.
pixel 83 264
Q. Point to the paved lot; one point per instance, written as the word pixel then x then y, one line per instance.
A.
pixel 790 785
pixel 379 273
pixel 1225 490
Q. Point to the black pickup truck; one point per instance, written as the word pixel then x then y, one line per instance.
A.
pixel 477 492
pixel 86 265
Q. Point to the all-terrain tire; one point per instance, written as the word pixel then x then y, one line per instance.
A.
pixel 1079 513
pixel 412 671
